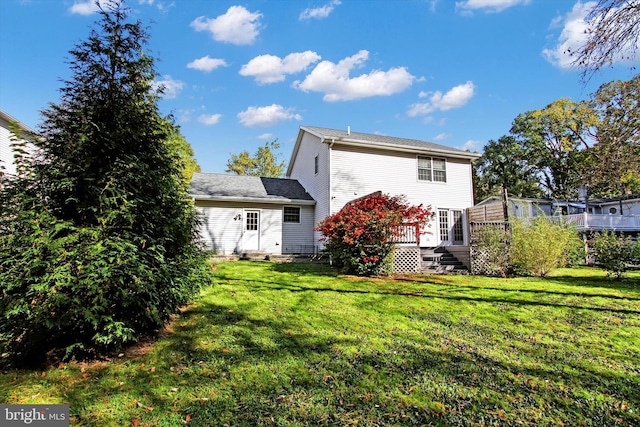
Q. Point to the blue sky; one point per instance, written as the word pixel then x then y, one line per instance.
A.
pixel 240 73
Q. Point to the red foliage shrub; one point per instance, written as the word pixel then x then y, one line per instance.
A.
pixel 360 237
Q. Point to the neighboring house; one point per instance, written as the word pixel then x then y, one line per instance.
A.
pixel 7 161
pixel 248 214
pixel 337 166
pixel 628 205
pixel 616 213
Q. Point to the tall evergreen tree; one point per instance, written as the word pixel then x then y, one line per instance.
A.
pixel 97 244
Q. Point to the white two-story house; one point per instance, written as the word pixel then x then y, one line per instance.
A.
pixel 337 166
pixel 334 167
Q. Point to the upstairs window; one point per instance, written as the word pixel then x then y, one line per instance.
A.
pixel 432 169
pixel 315 165
pixel 291 214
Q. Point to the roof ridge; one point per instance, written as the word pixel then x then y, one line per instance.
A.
pixel 384 139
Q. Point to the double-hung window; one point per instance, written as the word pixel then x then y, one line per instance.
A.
pixel 432 169
pixel 291 214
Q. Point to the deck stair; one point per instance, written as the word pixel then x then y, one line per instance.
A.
pixel 439 260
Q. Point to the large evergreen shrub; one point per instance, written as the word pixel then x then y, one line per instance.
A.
pixel 97 238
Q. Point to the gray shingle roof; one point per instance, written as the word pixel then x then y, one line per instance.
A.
pixel 372 139
pixel 221 186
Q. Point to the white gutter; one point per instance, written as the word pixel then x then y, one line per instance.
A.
pixel 408 149
pixel 275 201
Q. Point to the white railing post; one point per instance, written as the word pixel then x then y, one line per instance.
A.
pixel 586 219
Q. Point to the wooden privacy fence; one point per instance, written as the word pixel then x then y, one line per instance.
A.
pixel 487 213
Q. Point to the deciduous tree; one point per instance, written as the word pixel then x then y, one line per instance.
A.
pixel 179 146
pixel 615 165
pixel 613 34
pixel 263 163
pixel 504 164
pixel 555 140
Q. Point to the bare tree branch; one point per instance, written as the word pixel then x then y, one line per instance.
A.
pixel 613 35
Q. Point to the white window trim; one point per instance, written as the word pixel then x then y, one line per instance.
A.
pixel 299 215
pixel 431 169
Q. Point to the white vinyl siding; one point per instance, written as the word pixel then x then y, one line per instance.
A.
pixel 7 155
pixel 6 152
pixel 223 226
pixel 357 172
pixel 291 214
pixel 316 184
pixel 298 237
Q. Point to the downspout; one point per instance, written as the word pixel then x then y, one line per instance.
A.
pixel 333 141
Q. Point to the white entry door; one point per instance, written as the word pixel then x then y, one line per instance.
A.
pixel 251 232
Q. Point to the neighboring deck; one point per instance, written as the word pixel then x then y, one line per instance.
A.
pixel 599 222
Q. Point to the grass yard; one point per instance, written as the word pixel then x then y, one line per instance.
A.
pixel 298 345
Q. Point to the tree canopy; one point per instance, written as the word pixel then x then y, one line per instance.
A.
pixel 360 237
pixel 263 163
pixel 504 165
pixel 556 150
pixel 97 242
pixel 179 146
pixel 555 139
pixel 615 158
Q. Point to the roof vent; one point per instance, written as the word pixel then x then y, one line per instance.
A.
pixel 348 130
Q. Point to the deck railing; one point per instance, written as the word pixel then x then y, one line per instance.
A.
pixel 408 233
pixel 589 221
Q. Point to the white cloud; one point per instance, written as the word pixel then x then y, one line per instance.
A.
pixel 209 119
pixel 442 136
pixel 207 64
pixel 271 69
pixel 473 145
pixel 319 12
pixel 455 98
pixel 87 7
pixel 267 116
pixel 337 85
pixel 170 88
pixel 469 6
pixel 237 26
pixel 572 37
pixel 266 136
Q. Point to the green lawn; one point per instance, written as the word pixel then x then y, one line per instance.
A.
pixel 297 344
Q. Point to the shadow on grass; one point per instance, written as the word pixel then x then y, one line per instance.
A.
pixel 229 364
pixel 448 294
